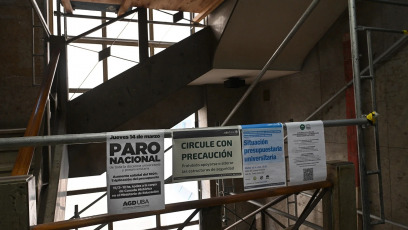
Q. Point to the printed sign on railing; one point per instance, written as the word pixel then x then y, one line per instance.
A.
pixel 263 156
pixel 211 153
pixel 307 153
pixel 135 171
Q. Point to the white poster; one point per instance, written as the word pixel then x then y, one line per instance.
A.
pixel 263 156
pixel 135 171
pixel 307 153
pixel 210 153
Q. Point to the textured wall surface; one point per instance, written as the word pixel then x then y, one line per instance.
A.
pixel 298 95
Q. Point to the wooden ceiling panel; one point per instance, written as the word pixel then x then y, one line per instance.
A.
pixel 202 7
pixel 196 6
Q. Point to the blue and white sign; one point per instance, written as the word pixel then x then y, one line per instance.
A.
pixel 263 156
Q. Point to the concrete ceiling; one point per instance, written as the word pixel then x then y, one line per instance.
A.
pixel 254 31
pixel 218 76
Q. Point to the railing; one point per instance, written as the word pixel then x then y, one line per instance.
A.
pixel 25 154
pixel 176 207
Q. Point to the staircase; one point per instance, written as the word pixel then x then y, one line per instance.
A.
pixel 154 88
pixel 237 43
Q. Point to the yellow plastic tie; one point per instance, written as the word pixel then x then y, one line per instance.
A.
pixel 372 117
pixel 405 31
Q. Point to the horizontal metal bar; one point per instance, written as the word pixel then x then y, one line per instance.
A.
pixel 363 28
pixel 386 221
pixel 345 122
pixel 122 42
pixel 83 138
pixel 376 222
pixel 12 131
pixel 126 20
pixel 56 139
pixel 372 172
pixel 78 90
pixel 366 77
pixel 102 25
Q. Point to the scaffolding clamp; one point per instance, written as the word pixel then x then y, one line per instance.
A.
pixel 372 117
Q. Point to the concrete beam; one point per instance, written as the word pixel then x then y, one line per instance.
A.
pixel 90 160
pixel 125 96
pixel 18 202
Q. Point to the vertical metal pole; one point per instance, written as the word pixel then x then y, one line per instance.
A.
pixel 192 27
pixel 50 9
pixel 65 26
pixel 59 17
pixel 33 47
pixel 104 46
pixel 376 132
pixel 143 39
pixel 151 31
pixel 288 210
pixel 158 221
pixel 360 135
pixel 76 214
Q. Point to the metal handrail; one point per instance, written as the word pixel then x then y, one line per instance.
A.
pixel 182 206
pixel 25 154
pixel 40 17
pixel 84 138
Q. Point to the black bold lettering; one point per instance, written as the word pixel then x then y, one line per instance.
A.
pixel 154 147
pixel 114 148
pixel 141 148
pixel 128 149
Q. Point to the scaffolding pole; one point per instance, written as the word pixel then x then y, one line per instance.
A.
pixel 378 171
pixel 357 97
pixel 84 138
pixel 40 17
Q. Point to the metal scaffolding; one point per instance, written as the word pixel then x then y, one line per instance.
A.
pixel 360 120
pixel 358 76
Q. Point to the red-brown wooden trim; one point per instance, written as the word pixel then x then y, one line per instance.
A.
pixel 176 207
pixel 25 154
